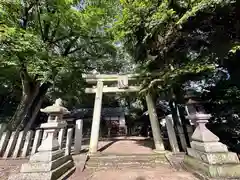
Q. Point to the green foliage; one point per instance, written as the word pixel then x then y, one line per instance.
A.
pixel 184 41
pixel 49 44
pixel 178 39
pixel 224 105
pixel 54 41
pixel 235 48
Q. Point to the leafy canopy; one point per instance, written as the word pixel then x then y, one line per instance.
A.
pixel 177 38
pixel 44 38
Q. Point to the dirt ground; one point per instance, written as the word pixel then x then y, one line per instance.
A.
pixel 160 173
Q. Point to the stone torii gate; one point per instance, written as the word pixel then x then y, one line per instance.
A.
pixel 100 84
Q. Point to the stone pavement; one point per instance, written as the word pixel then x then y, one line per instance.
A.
pixel 125 145
pixel 160 173
pixel 132 146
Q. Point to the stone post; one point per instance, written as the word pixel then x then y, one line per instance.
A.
pixel 154 124
pixel 180 131
pixel 96 119
pixel 3 142
pixel 182 137
pixel 60 137
pixel 3 127
pixel 208 156
pixel 49 163
pixel 190 132
pixel 36 142
pixel 68 148
pixel 78 136
pixel 18 145
pixel 11 145
pixel 27 143
pixel 171 134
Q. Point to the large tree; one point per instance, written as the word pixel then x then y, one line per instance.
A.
pixel 44 42
pixel 179 38
pixel 182 40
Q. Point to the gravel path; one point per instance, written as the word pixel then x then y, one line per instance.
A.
pixel 10 166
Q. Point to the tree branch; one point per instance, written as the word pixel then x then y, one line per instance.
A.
pixel 26 15
pixel 55 30
pixel 74 50
pixel 69 46
pixel 39 21
pixel 46 29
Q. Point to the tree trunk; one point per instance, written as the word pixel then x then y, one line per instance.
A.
pixel 29 111
pixel 21 111
pixel 34 109
pixel 30 89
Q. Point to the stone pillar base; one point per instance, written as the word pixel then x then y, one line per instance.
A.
pixel 207 155
pixel 214 157
pixel 212 170
pixel 46 166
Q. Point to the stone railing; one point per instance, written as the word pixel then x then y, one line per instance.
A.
pixel 14 145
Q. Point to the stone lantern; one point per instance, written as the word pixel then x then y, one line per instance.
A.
pixel 54 124
pixel 194 108
pixel 50 162
pixel 207 156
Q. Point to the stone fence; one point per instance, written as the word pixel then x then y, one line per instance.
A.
pixel 13 145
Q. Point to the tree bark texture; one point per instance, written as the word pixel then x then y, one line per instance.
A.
pixel 30 104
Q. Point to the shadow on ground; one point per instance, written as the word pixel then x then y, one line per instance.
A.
pixel 140 141
pixel 140 178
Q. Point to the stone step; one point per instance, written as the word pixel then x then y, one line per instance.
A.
pixel 138 156
pixel 125 157
pixel 103 155
pixel 62 169
pixel 109 164
pixel 126 161
pixel 67 174
pixel 119 161
pixel 122 161
pixel 129 166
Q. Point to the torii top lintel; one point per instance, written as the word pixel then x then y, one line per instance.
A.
pixel 94 78
pixel 122 82
pixel 122 79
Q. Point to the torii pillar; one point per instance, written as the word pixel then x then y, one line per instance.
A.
pixel 93 147
pixel 159 146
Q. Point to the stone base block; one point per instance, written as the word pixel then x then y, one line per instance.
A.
pixel 209 146
pixel 62 172
pixel 46 156
pixel 44 166
pixel 213 171
pixel 214 158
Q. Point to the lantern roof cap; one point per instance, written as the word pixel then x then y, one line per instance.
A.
pixel 56 108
